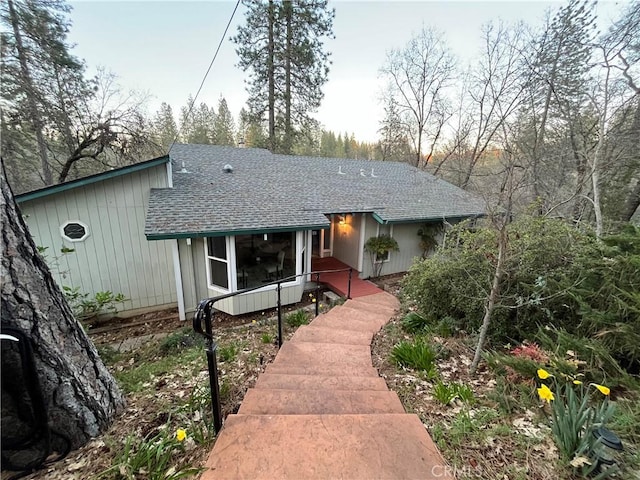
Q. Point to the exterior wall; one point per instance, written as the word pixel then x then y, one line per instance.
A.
pixel 406 234
pixel 116 255
pixel 346 239
pixel 195 285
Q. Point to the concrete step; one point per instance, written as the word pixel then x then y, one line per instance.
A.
pixel 325 354
pixel 350 314
pixel 318 402
pixel 322 370
pixel 365 306
pixel 383 299
pixel 318 382
pixel 316 334
pixel 337 322
pixel 390 446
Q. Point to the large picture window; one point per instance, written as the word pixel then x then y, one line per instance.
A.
pixel 217 260
pixel 263 258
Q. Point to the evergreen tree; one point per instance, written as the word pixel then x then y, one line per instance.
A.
pixel 36 68
pixel 164 128
pixel 223 125
pixel 281 46
pixel 196 122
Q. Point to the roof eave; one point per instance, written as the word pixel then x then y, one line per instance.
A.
pixel 98 177
pixel 427 219
pixel 175 236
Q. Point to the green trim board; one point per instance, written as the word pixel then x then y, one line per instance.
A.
pixel 170 236
pixel 98 177
pixel 422 220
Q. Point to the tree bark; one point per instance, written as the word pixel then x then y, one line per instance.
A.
pixel 271 75
pixel 288 132
pixel 81 395
pixel 491 301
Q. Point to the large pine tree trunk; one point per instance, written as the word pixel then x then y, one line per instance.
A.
pixel 81 395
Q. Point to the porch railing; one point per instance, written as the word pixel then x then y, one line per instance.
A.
pixel 203 324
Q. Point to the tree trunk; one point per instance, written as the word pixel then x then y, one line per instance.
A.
pixel 288 133
pixel 271 75
pixel 34 113
pixel 491 301
pixel 81 395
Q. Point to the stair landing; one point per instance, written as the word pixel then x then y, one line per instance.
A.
pixel 320 411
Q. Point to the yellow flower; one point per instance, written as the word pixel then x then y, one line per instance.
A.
pixel 181 434
pixel 545 394
pixel 543 374
pixel 577 382
pixel 604 390
pixel 313 300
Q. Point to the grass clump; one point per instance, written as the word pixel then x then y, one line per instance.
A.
pixel 297 318
pixel 150 458
pixel 446 393
pixel 418 355
pixel 228 353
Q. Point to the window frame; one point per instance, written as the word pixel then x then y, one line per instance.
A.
pixel 78 222
pixel 227 261
pixel 388 258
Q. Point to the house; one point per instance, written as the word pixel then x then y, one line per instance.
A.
pixel 209 220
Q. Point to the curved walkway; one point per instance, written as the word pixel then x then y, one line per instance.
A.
pixel 320 410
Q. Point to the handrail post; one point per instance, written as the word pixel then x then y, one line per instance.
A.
pixel 349 284
pixel 317 294
pixel 212 364
pixel 279 288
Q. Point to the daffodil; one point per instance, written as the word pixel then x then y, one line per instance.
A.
pixel 181 434
pixel 545 393
pixel 603 390
pixel 577 382
pixel 543 374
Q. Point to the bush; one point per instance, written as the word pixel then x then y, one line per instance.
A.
pixel 85 307
pixel 553 274
pixel 538 271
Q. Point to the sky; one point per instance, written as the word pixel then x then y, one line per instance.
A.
pixel 163 48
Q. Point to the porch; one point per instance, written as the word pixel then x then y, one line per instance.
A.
pixel 339 281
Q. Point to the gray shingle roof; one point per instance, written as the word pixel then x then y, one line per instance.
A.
pixel 279 192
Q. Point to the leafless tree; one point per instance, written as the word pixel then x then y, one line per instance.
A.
pixel 418 76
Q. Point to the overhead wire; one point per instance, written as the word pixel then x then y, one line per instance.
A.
pixel 204 79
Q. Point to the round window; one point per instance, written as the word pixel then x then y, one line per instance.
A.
pixel 75 231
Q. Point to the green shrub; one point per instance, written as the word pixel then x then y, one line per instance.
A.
pixel 553 274
pixel 297 318
pixel 417 355
pixel 266 338
pixel 85 307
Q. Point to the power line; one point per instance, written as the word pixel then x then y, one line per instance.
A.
pixel 204 79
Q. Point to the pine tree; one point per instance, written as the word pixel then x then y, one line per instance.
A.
pixel 196 123
pixel 281 46
pixel 223 125
pixel 164 128
pixel 39 76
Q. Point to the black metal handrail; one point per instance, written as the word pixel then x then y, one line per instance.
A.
pixel 204 314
